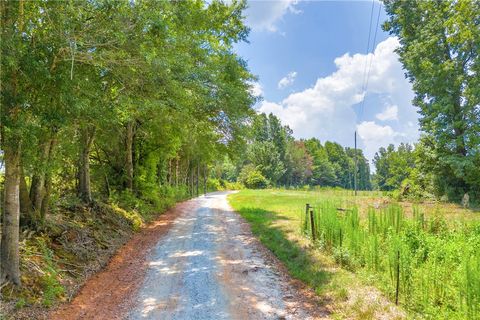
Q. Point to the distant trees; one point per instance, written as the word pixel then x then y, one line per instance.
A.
pixel 393 166
pixel 440 43
pixel 284 161
pixel 101 98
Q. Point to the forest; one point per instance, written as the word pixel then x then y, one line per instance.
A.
pixel 105 98
pixel 133 106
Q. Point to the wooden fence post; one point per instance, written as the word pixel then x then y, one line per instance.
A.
pixel 305 223
pixel 312 224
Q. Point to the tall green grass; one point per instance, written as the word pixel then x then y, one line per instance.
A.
pixel 434 268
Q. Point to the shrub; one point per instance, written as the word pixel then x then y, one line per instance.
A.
pixel 234 186
pixel 256 181
pixel 214 184
pixel 252 178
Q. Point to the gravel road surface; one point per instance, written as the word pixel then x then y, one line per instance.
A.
pixel 209 266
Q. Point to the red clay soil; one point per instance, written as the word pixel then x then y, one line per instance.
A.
pixel 108 294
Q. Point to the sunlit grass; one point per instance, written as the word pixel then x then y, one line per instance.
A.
pixel 277 218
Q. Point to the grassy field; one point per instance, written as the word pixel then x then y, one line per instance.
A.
pixel 354 270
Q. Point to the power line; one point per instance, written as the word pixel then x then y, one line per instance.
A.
pixel 371 61
pixel 368 45
pixel 366 76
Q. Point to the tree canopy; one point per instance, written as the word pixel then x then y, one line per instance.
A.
pixel 104 97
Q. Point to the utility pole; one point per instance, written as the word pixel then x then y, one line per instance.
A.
pixel 355 173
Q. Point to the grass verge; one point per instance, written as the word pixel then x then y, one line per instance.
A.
pixel 275 217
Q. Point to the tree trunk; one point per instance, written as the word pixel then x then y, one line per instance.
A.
pixel 459 126
pixel 176 172
pixel 9 249
pixel 129 154
pixel 27 215
pixel 37 189
pixel 84 189
pixel 10 261
pixel 46 198
pixel 107 186
pixel 169 174
pixel 191 181
pixel 198 177
pixel 205 179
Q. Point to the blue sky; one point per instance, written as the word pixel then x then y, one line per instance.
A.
pixel 310 58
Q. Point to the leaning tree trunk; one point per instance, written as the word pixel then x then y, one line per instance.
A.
pixel 84 189
pixel 10 262
pixel 129 154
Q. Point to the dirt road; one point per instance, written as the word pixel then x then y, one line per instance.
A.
pixel 206 265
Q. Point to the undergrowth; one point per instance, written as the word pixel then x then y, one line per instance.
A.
pixel 74 241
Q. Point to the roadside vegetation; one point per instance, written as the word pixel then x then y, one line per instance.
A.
pixel 111 111
pixel 74 242
pixel 362 244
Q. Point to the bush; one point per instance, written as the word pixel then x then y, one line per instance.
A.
pixel 220 184
pixel 234 186
pixel 252 178
pixel 255 180
pixel 214 184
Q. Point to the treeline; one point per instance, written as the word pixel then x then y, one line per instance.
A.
pixel 108 98
pixel 274 158
pixel 411 171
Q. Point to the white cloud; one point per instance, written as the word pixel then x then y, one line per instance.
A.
pixel 264 15
pixel 326 110
pixel 256 89
pixel 390 113
pixel 374 136
pixel 287 80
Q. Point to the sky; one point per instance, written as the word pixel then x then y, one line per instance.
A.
pixel 312 61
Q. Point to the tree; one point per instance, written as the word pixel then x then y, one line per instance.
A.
pixel 268 147
pixel 323 171
pixel 13 117
pixel 439 50
pixel 298 163
pixel 342 164
pixel 363 168
pixel 265 157
pixel 393 166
